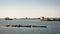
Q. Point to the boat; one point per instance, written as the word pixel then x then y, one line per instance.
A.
pixel 8 18
pixel 49 19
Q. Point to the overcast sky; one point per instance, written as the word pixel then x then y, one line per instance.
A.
pixel 29 8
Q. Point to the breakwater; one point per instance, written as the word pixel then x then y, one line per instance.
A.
pixel 24 26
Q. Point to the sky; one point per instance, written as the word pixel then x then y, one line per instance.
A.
pixel 29 8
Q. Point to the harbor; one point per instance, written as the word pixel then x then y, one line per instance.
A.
pixel 41 19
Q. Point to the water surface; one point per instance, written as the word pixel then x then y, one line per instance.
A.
pixel 53 27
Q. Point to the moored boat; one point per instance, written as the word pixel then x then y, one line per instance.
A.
pixel 8 18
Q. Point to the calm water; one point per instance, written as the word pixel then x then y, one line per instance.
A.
pixel 53 27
